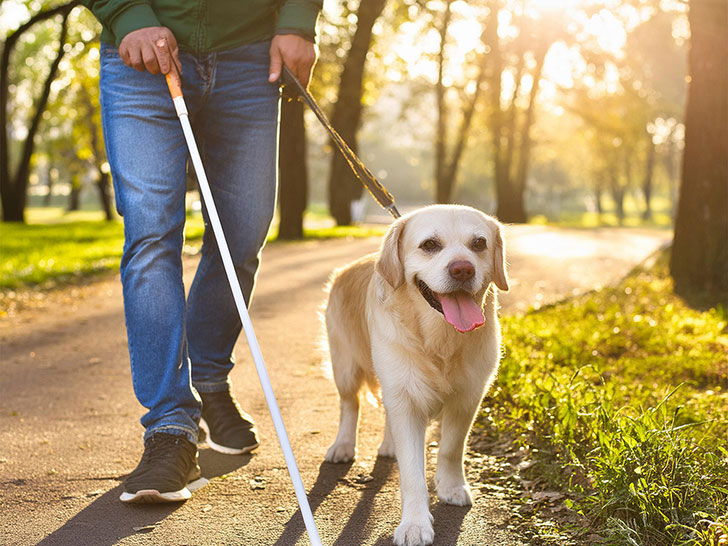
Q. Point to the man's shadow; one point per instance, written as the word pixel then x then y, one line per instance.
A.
pixel 107 520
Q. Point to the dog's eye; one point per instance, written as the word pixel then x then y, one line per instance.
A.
pixel 479 244
pixel 430 245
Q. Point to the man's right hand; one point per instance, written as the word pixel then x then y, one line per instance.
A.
pixel 153 49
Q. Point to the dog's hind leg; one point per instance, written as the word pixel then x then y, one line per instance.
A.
pixel 348 377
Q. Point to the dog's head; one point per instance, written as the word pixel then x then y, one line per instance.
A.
pixel 451 254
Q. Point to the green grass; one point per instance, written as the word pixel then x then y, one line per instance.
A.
pixel 621 396
pixel 57 247
pixel 36 253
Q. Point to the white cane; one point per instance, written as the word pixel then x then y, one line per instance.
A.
pixel 175 89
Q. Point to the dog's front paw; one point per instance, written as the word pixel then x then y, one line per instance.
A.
pixel 415 533
pixel 458 495
pixel 341 453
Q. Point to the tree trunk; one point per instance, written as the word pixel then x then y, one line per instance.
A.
pixel 344 187
pixel 103 181
pixel 13 187
pixel 447 162
pixel 699 261
pixel 103 184
pixel 617 195
pixel 74 198
pixel 49 183
pixel 518 213
pixel 598 189
pixel 495 60
pixel 443 187
pixel 647 182
pixel 510 127
pixel 670 162
pixel 293 173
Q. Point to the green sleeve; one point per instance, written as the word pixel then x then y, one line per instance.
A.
pixel 123 16
pixel 299 17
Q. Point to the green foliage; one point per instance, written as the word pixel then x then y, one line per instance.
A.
pixel 60 247
pixel 35 253
pixel 622 396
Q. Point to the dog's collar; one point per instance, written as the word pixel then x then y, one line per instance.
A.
pixel 428 295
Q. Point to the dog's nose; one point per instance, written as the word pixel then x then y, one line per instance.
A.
pixel 461 270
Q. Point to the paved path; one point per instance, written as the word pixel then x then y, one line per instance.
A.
pixel 69 427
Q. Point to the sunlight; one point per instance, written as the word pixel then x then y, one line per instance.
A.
pixel 608 31
pixel 605 27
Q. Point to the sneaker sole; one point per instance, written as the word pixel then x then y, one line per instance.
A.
pixel 224 449
pixel 152 496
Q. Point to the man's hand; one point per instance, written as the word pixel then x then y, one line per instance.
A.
pixel 153 49
pixel 297 53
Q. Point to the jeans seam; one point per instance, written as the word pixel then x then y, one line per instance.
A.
pixel 206 387
pixel 189 433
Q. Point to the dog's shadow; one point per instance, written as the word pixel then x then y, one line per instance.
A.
pixel 329 476
pixel 107 520
pixel 447 524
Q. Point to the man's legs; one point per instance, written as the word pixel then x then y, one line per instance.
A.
pixel 147 154
pixel 234 111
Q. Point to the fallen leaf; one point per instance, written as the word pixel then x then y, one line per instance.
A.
pixel 363 478
pixel 549 496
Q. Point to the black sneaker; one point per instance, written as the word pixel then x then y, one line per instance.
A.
pixel 168 471
pixel 228 428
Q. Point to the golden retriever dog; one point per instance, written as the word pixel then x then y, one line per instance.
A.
pixel 419 319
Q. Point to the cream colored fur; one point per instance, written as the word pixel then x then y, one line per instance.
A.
pixel 382 331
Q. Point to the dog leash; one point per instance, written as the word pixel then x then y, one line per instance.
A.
pixel 365 176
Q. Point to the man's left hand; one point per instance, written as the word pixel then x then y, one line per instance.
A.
pixel 297 53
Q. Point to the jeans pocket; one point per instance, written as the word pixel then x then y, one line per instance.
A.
pixel 108 50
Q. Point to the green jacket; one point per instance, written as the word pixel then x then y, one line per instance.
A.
pixel 208 25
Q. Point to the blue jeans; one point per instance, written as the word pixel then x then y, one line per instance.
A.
pixel 175 344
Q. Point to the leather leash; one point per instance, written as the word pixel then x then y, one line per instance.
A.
pixel 365 176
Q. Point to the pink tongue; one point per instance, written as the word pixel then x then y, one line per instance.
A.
pixel 461 311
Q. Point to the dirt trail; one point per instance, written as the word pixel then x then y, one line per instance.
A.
pixel 69 427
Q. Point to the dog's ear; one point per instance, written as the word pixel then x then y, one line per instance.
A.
pixel 500 278
pixel 389 264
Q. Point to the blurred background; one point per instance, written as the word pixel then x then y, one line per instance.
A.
pixel 604 121
pixel 553 111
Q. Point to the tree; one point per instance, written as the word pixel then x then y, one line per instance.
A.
pixel 511 125
pixel 655 65
pixel 343 185
pixel 449 155
pixel 699 261
pixel 293 170
pixel 13 185
pixel 88 105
